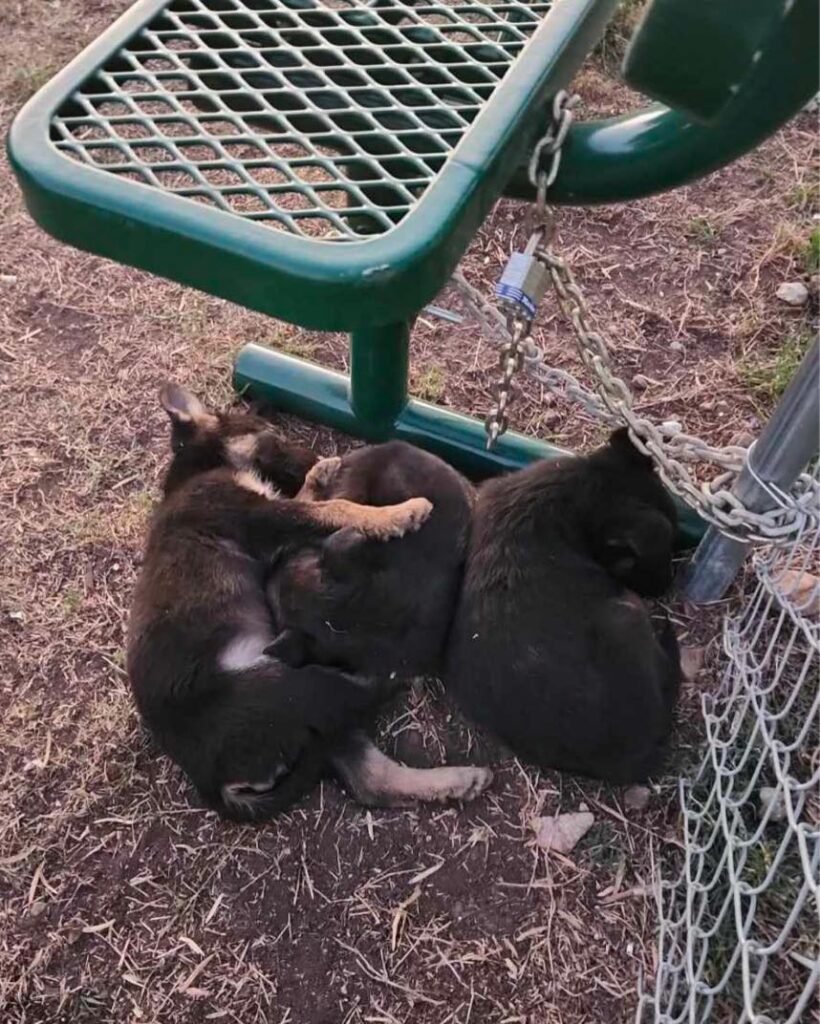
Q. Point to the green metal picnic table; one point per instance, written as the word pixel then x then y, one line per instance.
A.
pixel 327 162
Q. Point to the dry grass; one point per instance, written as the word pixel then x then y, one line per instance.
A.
pixel 121 901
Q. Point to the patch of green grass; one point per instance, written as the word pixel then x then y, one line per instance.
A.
pixel 619 31
pixel 142 501
pixel 429 384
pixel 601 847
pixel 770 377
pixel 811 254
pixel 805 197
pixel 778 893
pixel 72 600
pixel 133 515
pixel 27 81
pixel 702 230
pixel 294 345
pixel 792 241
pixel 545 425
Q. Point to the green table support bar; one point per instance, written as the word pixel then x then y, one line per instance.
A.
pixel 325 396
pixel 379 366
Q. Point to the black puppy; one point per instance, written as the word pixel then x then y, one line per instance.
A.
pixel 381 610
pixel 551 649
pixel 369 607
pixel 251 733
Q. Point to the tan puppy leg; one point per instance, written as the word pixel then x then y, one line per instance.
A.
pixel 375 780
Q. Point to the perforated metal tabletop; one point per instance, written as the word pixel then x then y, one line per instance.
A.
pixel 325 161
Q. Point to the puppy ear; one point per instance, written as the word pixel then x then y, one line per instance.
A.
pixel 184 408
pixel 346 551
pixel 621 442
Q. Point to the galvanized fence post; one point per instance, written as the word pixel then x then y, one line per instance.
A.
pixel 787 444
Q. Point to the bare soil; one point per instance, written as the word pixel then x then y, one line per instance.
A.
pixel 121 900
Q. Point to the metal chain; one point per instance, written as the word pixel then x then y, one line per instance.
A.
pixel 550 144
pixel 665 443
pixel 559 382
pixel 510 360
pixel 514 347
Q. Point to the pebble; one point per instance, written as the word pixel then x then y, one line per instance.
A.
pixel 795 293
pixel 639 382
pixel 637 797
pixel 691 662
pixel 799 590
pixel 770 797
pixel 8 278
pixel 562 832
pixel 677 346
pixel 37 908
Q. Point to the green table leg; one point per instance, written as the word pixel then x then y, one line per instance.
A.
pixel 379 365
pixel 314 393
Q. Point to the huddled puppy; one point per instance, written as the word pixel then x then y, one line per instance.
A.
pixel 380 609
pixel 377 608
pixel 252 733
pixel 552 648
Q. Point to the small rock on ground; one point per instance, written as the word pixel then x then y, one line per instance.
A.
pixel 562 832
pixel 800 589
pixel 772 798
pixel 691 662
pixel 637 797
pixel 795 293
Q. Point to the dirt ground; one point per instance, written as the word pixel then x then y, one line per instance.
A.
pixel 121 900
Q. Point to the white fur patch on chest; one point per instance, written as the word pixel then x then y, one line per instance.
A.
pixel 244 651
pixel 241 450
pixel 251 481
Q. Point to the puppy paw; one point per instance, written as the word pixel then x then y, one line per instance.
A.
pixel 319 478
pixel 408 517
pixel 466 783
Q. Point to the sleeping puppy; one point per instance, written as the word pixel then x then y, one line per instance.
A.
pixel 551 649
pixel 380 609
pixel 376 608
pixel 252 734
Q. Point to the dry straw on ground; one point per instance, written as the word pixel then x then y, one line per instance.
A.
pixel 121 901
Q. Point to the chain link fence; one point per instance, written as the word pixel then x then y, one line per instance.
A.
pixel 739 922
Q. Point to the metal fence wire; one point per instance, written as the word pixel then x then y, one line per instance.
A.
pixel 739 922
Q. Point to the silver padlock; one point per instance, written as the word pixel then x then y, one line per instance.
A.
pixel 524 281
